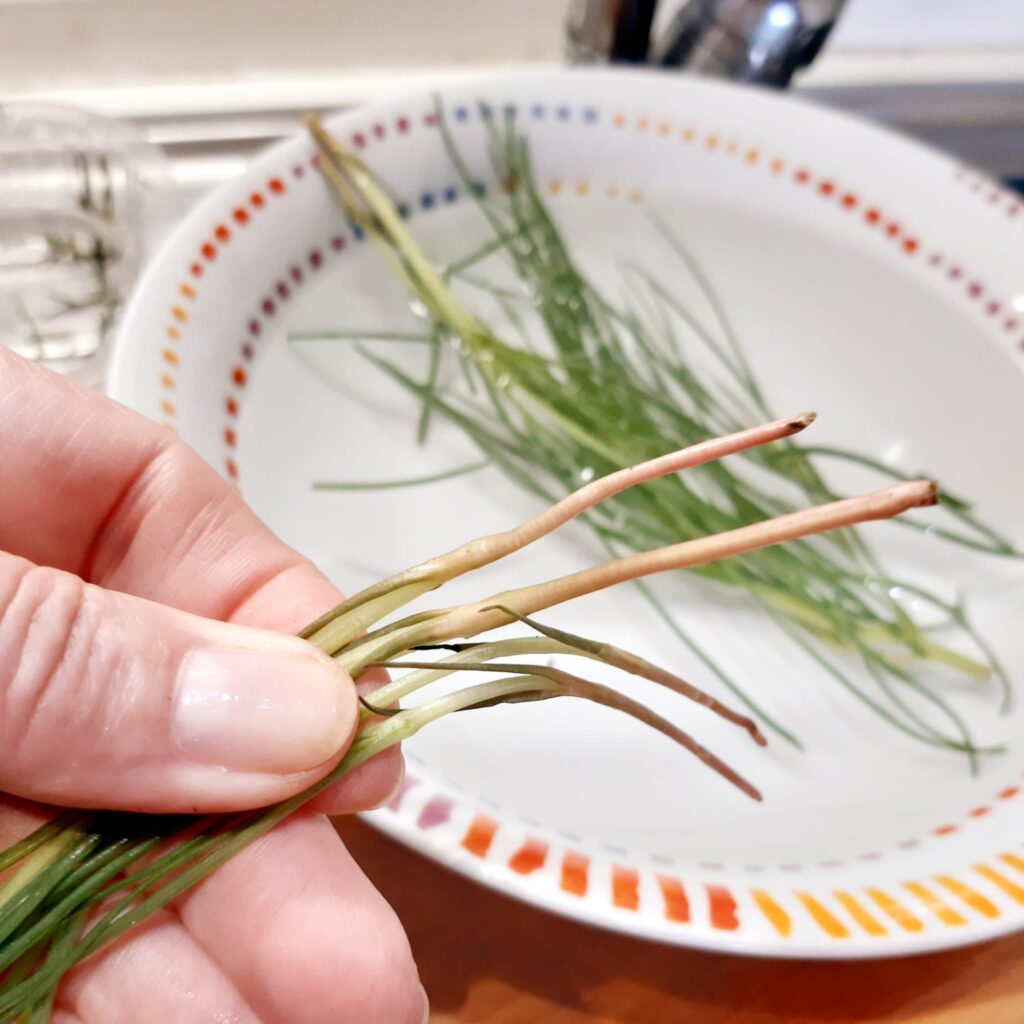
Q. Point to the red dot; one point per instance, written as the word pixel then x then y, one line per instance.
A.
pixel 315 258
pixel 222 232
pixel 954 272
pixel 935 260
pixel 298 171
pixel 296 273
pixel 378 130
pixel 849 200
pixel 430 120
pixel 910 245
pixel 402 124
pixel 196 269
pixel 993 197
pixel 337 243
pixel 241 217
pixel 358 140
pixel 257 200
pixel 974 289
pixel 282 290
pixel 232 406
pixel 229 465
pixel 1012 211
pixel 276 185
pixel 268 307
pixel 247 351
pixel 826 188
pixel 1010 324
pixel 872 216
pixel 892 229
pixel 229 437
pixel 238 376
pixel 209 251
pixel 992 308
pixel 254 327
pixel 801 177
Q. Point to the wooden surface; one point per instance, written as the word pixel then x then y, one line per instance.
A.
pixel 486 958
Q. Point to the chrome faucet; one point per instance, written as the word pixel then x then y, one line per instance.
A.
pixel 761 41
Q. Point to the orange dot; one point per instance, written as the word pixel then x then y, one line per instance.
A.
pixel 612 191
pixel 892 229
pixel 229 437
pixel 826 188
pixel 910 245
pixel 801 177
pixel 188 291
pixel 849 200
pixel 170 356
pixel 642 124
pixel 173 333
pixel 167 380
pixel 276 185
pixel 554 186
pixel 711 142
pixel 209 251
pixel 688 135
pixel 636 196
pixel 241 217
pixel 222 233
pixel 179 314
pixel 256 199
pixel 776 166
pixel 168 407
pixel 872 216
pixel 238 376
pixel 731 148
pixel 232 468
pixel 232 406
pixel 619 120
pixel 752 156
pixel 664 128
pixel 582 188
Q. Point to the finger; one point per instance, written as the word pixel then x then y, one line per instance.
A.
pixel 156 975
pixel 321 943
pixel 373 784
pixel 108 700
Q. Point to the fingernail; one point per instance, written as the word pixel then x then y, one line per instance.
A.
pixel 396 788
pixel 260 711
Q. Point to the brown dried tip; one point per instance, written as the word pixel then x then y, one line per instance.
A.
pixel 805 419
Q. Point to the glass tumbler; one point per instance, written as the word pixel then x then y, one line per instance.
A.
pixel 81 199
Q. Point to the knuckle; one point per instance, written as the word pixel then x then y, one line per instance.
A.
pixel 48 623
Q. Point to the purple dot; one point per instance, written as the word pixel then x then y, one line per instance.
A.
pixel 974 289
pixel 299 171
pixel 247 351
pixel 955 272
pixel 337 243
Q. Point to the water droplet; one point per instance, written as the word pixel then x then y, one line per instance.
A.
pixel 585 475
pixel 418 309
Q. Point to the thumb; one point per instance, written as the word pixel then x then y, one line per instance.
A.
pixel 108 700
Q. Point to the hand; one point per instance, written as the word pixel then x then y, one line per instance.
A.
pixel 110 699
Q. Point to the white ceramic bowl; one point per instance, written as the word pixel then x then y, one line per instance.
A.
pixel 869 278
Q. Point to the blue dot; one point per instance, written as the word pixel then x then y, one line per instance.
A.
pixel 461 113
pixel 511 111
pixel 426 200
pixel 357 232
pixel 403 210
pixel 590 115
pixel 450 194
pixel 537 111
pixel 563 113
